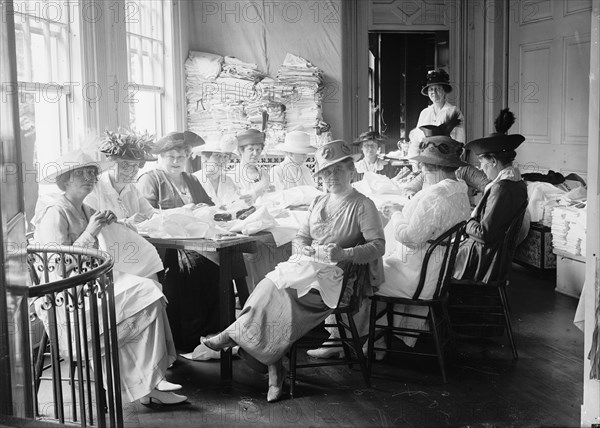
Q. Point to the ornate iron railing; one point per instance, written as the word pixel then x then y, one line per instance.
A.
pixel 75 299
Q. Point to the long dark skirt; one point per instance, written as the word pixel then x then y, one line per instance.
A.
pixel 193 298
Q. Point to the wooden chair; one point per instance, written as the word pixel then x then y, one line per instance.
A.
pixel 490 307
pixel 355 276
pixel 437 323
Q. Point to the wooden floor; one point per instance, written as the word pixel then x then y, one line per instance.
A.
pixel 485 388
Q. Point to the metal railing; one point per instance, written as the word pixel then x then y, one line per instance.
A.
pixel 75 300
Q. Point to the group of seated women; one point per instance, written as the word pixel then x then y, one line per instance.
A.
pixel 99 205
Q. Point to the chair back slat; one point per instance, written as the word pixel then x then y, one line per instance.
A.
pixel 449 242
pixel 509 244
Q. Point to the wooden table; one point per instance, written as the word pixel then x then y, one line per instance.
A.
pixel 230 256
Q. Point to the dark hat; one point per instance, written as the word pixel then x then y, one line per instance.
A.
pixel 370 136
pixel 128 146
pixel 443 129
pixel 498 141
pixel 177 140
pixel 333 152
pixel 437 77
pixel 250 136
pixel 440 150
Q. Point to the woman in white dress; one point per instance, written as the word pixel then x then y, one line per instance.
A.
pixel 147 351
pixel 437 89
pixel 292 172
pixel 215 155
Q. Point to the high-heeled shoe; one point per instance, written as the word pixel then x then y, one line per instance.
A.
pixel 166 386
pixel 220 342
pixel 162 397
pixel 276 391
pixel 333 352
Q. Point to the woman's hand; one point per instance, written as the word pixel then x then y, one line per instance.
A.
pixel 334 253
pixel 308 250
pixel 389 208
pixel 98 220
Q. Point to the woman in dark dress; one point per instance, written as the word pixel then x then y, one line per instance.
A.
pixel 190 281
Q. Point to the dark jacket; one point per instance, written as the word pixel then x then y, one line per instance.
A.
pixel 477 255
pixel 155 186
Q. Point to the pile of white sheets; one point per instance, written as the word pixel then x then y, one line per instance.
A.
pixel 569 229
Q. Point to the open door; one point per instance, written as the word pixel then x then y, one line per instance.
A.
pixel 15 368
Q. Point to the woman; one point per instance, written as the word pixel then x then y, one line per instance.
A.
pixel 370 142
pixel 191 281
pixel 441 204
pixel 436 89
pixel 501 201
pixel 115 191
pixel 343 226
pixel 68 221
pixel 253 180
pixel 212 175
pixel 292 172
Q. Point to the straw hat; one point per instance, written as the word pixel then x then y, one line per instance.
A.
pixel 128 146
pixel 437 77
pixel 332 153
pixel 177 141
pixel 68 162
pixel 498 141
pixel 225 144
pixel 250 136
pixel 296 142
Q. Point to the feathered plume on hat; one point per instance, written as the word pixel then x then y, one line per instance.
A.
pixel 498 141
pixel 445 128
pixel 128 145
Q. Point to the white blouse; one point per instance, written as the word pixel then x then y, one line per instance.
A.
pixel 429 117
pixel 289 174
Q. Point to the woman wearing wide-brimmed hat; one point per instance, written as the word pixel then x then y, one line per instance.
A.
pixel 67 220
pixel 191 281
pixel 215 155
pixel 431 212
pixel 501 201
pixel 436 89
pixel 369 143
pixel 292 172
pixel 343 226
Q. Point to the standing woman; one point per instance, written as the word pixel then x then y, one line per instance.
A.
pixel 146 351
pixel 369 143
pixel 343 226
pixel 252 178
pixel 436 89
pixel 191 281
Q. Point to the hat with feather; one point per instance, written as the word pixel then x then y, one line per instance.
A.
pixel 498 141
pixel 438 148
pixel 127 145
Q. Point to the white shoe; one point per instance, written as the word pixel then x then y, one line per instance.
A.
pixel 161 397
pixel 166 386
pixel 333 352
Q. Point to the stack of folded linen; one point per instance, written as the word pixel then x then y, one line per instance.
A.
pixel 569 229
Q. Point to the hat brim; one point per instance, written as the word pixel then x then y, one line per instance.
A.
pixel 53 173
pixel 495 143
pixel 355 157
pixel 298 150
pixel 438 161
pixel 447 88
pixel 205 149
pixel 147 158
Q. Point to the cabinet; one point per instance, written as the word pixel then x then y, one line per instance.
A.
pixel 570 274
pixel 536 249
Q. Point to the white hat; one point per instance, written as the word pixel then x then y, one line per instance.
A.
pixel 68 162
pixel 225 144
pixel 296 142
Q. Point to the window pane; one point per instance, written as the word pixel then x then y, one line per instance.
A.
pixel 143 112
pixel 38 58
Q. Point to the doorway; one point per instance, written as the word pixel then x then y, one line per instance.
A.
pixel 398 64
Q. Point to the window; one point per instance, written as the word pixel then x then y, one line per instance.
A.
pixel 145 26
pixel 43 45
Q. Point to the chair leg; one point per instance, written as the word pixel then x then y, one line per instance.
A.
pixel 292 362
pixel 503 298
pixel 438 346
pixel 344 338
pixel 390 319
pixel 370 350
pixel 39 361
pixel 358 349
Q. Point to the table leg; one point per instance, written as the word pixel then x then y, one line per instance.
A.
pixel 227 312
